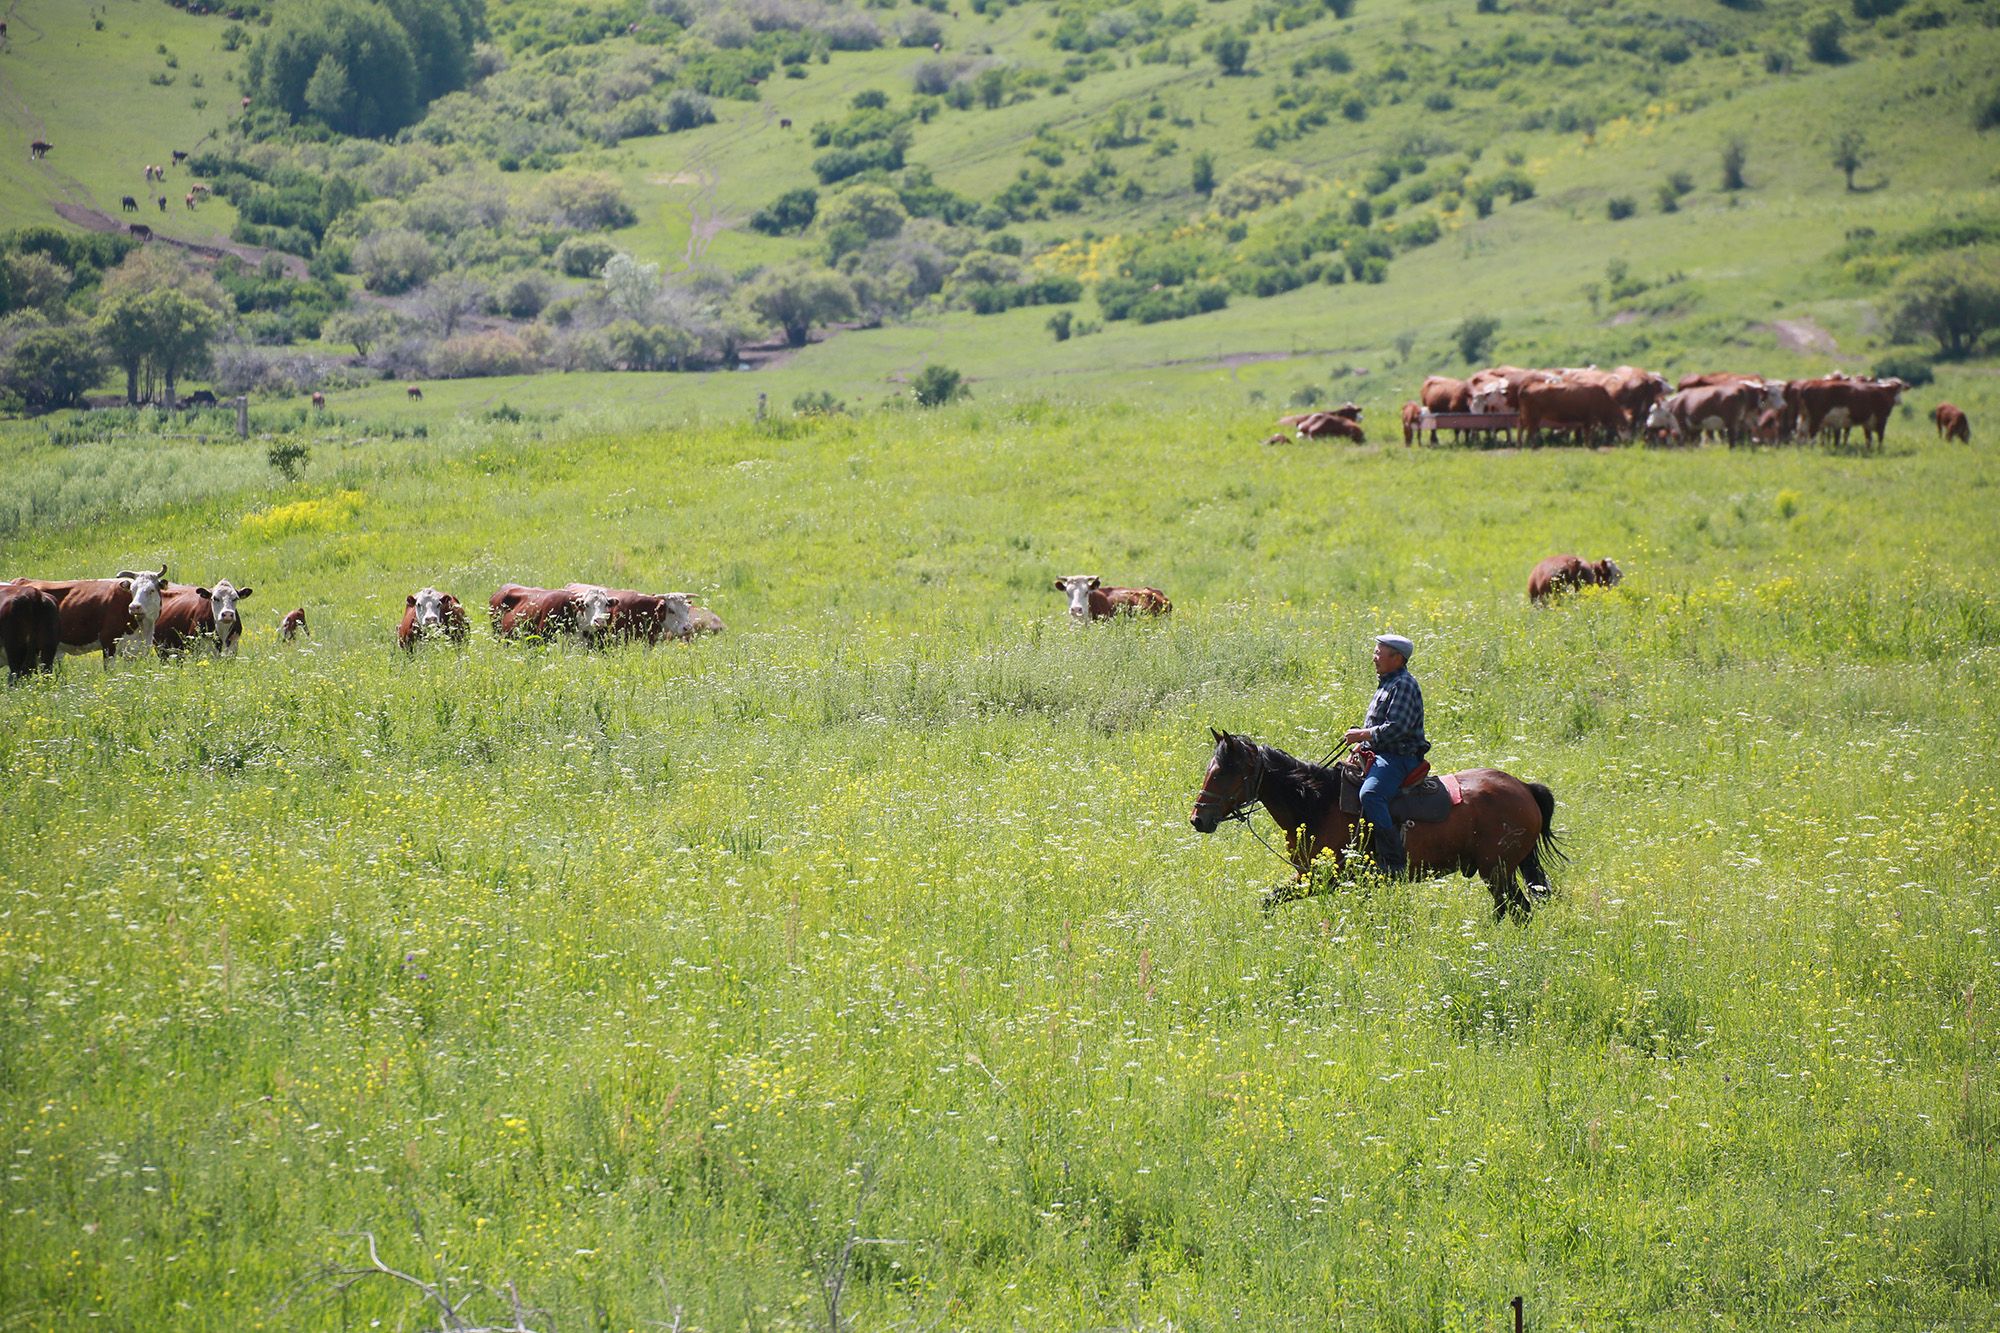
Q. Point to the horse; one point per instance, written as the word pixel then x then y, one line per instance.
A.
pixel 1497 831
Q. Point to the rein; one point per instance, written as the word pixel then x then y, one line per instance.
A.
pixel 1254 801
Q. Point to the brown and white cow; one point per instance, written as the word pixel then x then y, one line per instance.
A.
pixel 581 609
pixel 1951 423
pixel 428 613
pixel 1559 573
pixel 701 620
pixel 1587 407
pixel 189 613
pixel 30 630
pixel 100 613
pixel 1413 415
pixel 1089 599
pixel 1730 410
pixel 293 625
pixel 647 617
pixel 1330 425
pixel 1832 406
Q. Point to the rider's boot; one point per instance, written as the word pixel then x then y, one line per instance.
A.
pixel 1390 858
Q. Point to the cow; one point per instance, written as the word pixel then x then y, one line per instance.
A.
pixel 1511 379
pixel 1770 427
pixel 1322 425
pixel 191 613
pixel 1634 390
pixel 293 625
pixel 180 156
pixel 1348 411
pixel 581 609
pixel 39 149
pixel 416 394
pixel 1951 423
pixel 30 630
pixel 644 616
pixel 318 401
pixel 428 614
pixel 784 122
pixel 701 620
pixel 162 201
pixel 199 398
pixel 1559 573
pixel 1832 406
pixel 99 613
pixel 1089 599
pixel 1730 410
pixel 1413 415
pixel 189 200
pixel 1440 394
pixel 140 231
pixel 1587 407
pixel 128 205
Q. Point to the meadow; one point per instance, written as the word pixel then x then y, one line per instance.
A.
pixel 860 965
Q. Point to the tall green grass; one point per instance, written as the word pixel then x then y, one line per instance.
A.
pixel 646 980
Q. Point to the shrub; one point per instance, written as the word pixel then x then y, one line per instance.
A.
pixel 1620 207
pixel 1913 368
pixel 584 201
pixel 289 457
pixel 1474 336
pixel 685 110
pixel 1954 298
pixel 392 262
pixel 1203 174
pixel 817 403
pixel 1669 201
pixel 1260 185
pixel 1823 38
pixel 584 256
pixel 1734 154
pixel 1988 114
pixel 937 385
pixel 792 211
pixel 1059 325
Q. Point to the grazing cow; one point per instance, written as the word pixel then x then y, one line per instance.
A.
pixel 701 620
pixel 1587 407
pixel 430 614
pixel 199 398
pixel 200 191
pixel 30 630
pixel 416 394
pixel 1089 599
pixel 318 401
pixel 784 122
pixel 140 231
pixel 293 625
pixel 645 616
pixel 1322 425
pixel 129 205
pixel 1951 423
pixel 179 156
pixel 39 149
pixel 1440 394
pixel 1559 573
pixel 1833 406
pixel 1413 415
pixel 98 613
pixel 188 614
pixel 189 200
pixel 581 609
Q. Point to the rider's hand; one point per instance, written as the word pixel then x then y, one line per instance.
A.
pixel 1357 736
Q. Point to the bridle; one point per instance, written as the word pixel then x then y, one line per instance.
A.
pixel 1246 805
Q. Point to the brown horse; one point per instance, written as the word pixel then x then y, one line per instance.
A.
pixel 1496 831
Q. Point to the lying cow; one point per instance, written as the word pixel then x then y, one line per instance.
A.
pixel 30 630
pixel 427 614
pixel 646 617
pixel 188 614
pixel 1560 573
pixel 701 620
pixel 1089 599
pixel 1330 425
pixel 581 609
pixel 1951 423
pixel 102 613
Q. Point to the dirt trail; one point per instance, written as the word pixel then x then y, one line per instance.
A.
pixel 96 219
pixel 1802 335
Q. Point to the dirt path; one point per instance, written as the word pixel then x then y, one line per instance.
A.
pixel 1802 335
pixel 96 219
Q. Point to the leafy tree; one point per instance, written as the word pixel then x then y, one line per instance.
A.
pixel 1231 51
pixel 584 201
pixel 873 210
pixel 1260 185
pixel 326 46
pixel 447 299
pixel 584 256
pixel 392 262
pixel 53 367
pixel 991 88
pixel 1060 325
pixel 1823 39
pixel 798 296
pixel 31 281
pixel 1204 173
pixel 362 328
pixel 791 211
pixel 1734 154
pixel 1954 298
pixel 1850 151
pixel 631 288
pixel 1474 336
pixel 441 34
pixel 937 385
pixel 164 329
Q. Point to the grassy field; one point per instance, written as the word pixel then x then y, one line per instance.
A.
pixel 647 981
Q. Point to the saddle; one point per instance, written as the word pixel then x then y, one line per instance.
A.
pixel 1425 797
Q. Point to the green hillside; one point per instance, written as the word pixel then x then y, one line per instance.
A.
pixel 1418 113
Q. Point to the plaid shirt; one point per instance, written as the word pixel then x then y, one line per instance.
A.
pixel 1396 716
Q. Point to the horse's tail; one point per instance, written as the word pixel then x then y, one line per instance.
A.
pixel 1546 799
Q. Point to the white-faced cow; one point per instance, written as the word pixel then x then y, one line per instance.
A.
pixel 103 613
pixel 647 617
pixel 430 614
pixel 581 609
pixel 188 614
pixel 1089 599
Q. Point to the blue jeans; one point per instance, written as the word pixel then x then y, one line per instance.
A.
pixel 1384 780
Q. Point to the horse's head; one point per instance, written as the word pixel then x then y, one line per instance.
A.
pixel 1235 776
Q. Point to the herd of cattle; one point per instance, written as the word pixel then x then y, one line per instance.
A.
pixel 40 618
pixel 1626 403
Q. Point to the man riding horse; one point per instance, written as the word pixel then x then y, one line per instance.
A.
pixel 1394 731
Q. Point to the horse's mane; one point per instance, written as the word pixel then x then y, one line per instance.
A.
pixel 1316 784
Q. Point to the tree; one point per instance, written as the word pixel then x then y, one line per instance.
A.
pixel 1474 336
pixel 1955 298
pixel 631 288
pixel 937 385
pixel 1850 151
pixel 448 298
pixel 1231 51
pixel 159 316
pixel 1059 325
pixel 1204 173
pixel 798 296
pixel 1734 154
pixel 991 87
pixel 328 93
pixel 355 42
pixel 874 211
pixel 584 201
pixel 1260 185
pixel 362 327
pixel 53 367
pixel 1823 39
pixel 392 262
pixel 793 210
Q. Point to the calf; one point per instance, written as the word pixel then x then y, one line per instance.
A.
pixel 701 620
pixel 416 394
pixel 581 609
pixel 646 616
pixel 1560 573
pixel 39 149
pixel 101 613
pixel 1951 423
pixel 1089 599
pixel 1413 415
pixel 429 614
pixel 30 630
pixel 293 625
pixel 130 205
pixel 189 613
pixel 318 401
